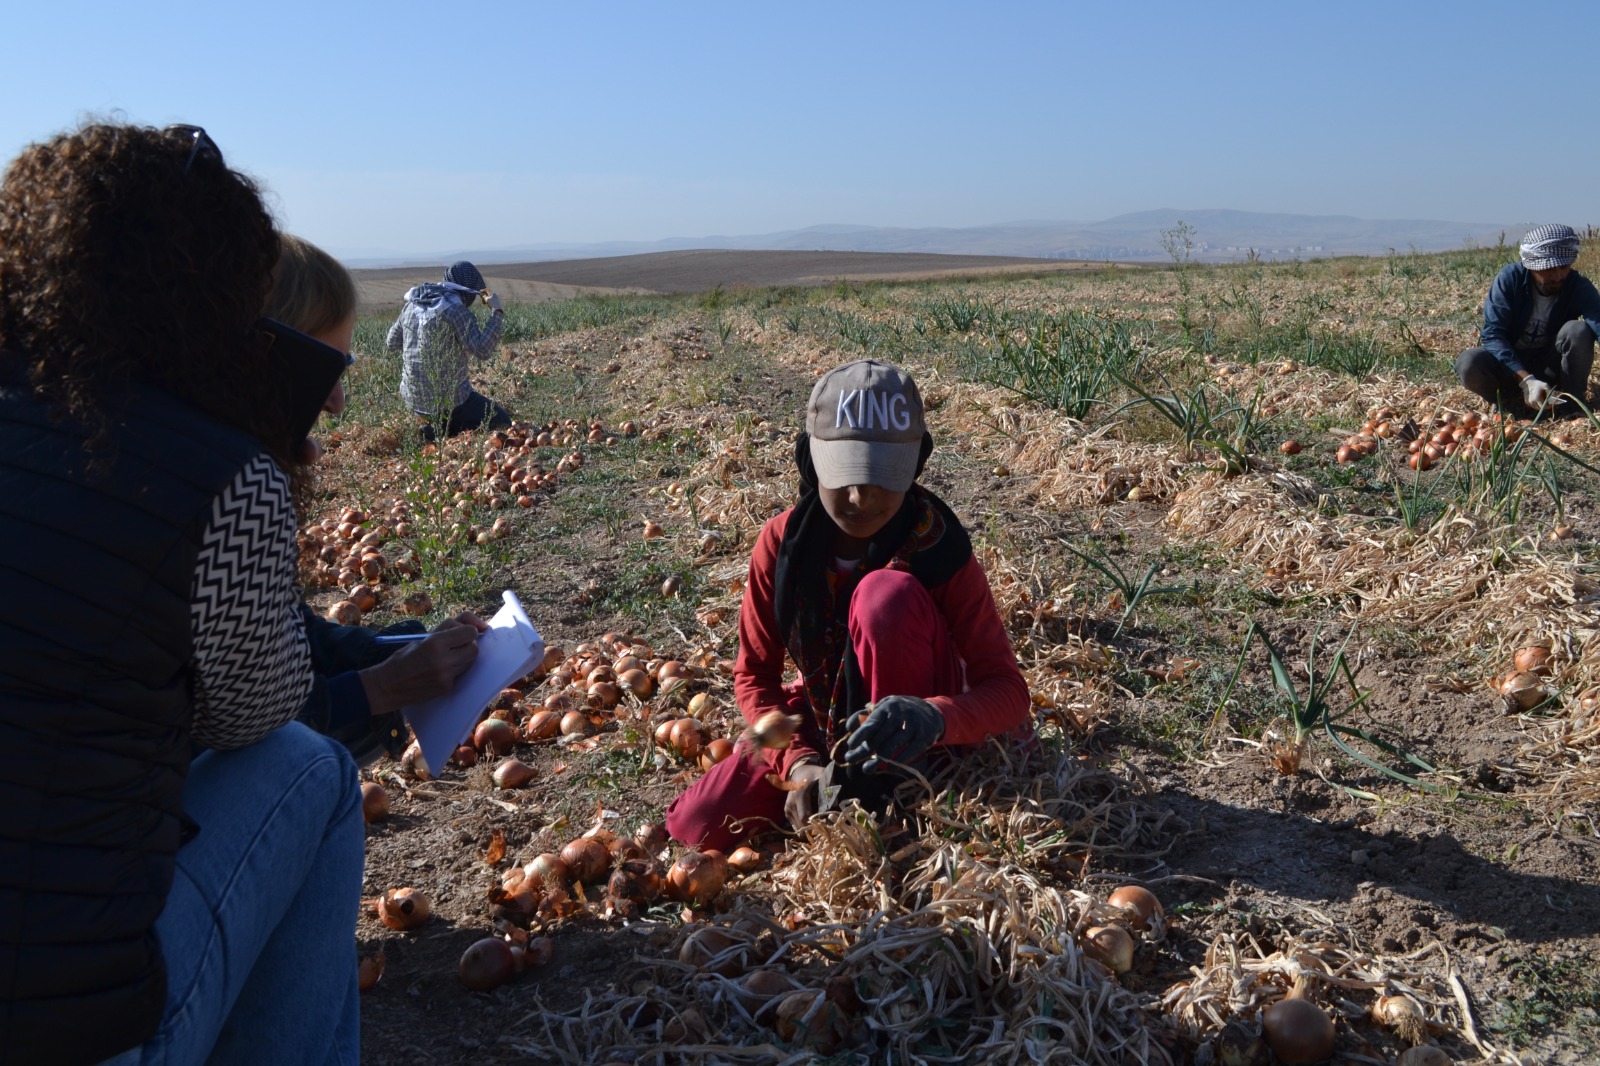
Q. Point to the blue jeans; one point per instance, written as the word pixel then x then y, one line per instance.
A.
pixel 259 928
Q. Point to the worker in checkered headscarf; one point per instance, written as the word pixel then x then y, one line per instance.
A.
pixel 1539 325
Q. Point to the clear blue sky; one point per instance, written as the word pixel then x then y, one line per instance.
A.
pixel 421 128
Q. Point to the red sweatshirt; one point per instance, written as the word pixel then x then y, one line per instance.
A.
pixel 996 700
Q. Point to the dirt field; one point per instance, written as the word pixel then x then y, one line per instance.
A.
pixel 1133 563
pixel 699 271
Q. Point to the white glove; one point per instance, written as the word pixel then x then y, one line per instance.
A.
pixel 1534 392
pixel 492 300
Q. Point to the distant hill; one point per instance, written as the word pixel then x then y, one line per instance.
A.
pixel 1219 235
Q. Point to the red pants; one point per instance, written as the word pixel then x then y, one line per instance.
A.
pixel 902 645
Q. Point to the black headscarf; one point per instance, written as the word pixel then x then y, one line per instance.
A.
pixel 924 537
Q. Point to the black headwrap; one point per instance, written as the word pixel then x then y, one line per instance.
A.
pixel 924 537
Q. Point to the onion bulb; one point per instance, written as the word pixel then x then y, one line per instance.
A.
pixel 652 837
pixel 764 986
pixel 414 764
pixel 745 860
pixel 541 725
pixel 1298 1031
pixel 512 773
pixel 1534 659
pixel 403 908
pixel 1290 447
pixel 494 736
pixel 715 751
pixel 538 951
pixel 344 613
pixel 697 877
pixel 636 681
pixel 1402 1014
pixel 635 880
pixel 576 724
pixel 711 948
pixel 547 871
pixel 1112 945
pixel 1522 690
pixel 1144 909
pixel 465 756
pixel 587 858
pixel 487 965
pixel 775 729
pixel 1424 1055
pixel 374 802
pixel 808 1018
pixel 369 971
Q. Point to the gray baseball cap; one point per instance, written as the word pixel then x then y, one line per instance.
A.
pixel 865 422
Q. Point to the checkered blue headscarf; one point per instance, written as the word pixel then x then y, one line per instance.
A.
pixel 1548 247
pixel 465 274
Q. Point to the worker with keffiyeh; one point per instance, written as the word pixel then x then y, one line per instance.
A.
pixel 1540 321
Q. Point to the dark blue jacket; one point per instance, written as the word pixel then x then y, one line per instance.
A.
pixel 96 581
pixel 1510 302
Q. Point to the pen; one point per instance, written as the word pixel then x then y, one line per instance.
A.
pixel 400 638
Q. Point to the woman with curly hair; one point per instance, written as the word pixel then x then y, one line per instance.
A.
pixel 180 862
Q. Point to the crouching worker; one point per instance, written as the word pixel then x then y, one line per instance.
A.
pixel 868 585
pixel 1540 320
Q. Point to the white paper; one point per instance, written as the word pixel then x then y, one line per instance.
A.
pixel 508 650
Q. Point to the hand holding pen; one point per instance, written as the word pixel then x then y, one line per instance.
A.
pixel 427 664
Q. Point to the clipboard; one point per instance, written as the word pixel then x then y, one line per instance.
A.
pixel 507 651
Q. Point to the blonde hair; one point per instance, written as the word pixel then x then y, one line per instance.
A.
pixel 311 290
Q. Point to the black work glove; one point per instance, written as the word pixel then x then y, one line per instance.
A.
pixel 899 729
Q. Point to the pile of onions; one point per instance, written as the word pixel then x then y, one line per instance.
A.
pixel 374 802
pixel 404 909
pixel 1298 1031
pixel 697 877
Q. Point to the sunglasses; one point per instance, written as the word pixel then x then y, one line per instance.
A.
pixel 201 145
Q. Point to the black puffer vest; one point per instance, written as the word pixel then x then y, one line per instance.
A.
pixel 95 707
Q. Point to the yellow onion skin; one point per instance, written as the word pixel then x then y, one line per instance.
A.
pixel 587 859
pixel 1144 909
pixel 374 802
pixel 403 909
pixel 1112 945
pixel 487 965
pixel 513 773
pixel 1299 1032
pixel 697 877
